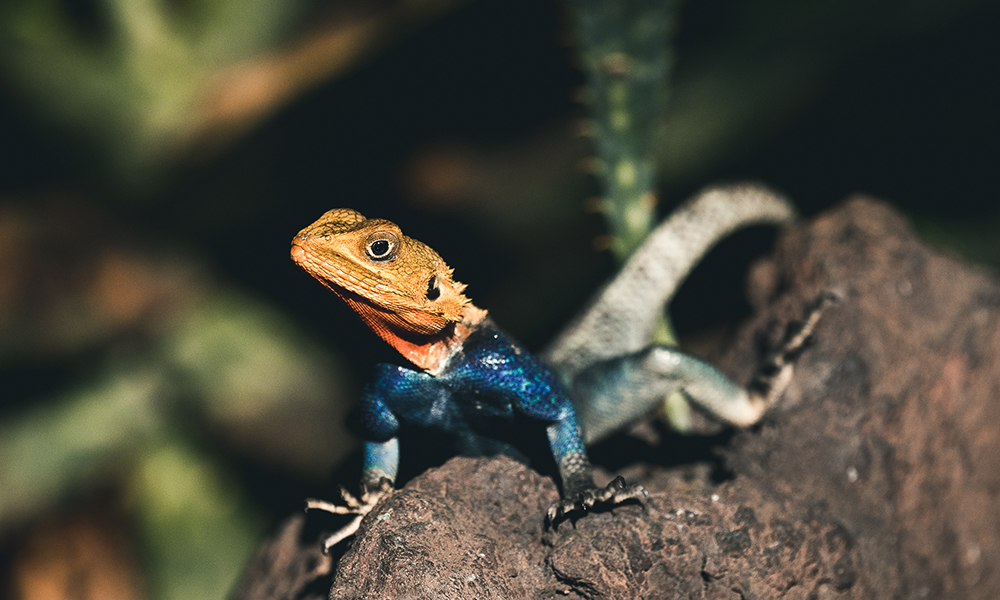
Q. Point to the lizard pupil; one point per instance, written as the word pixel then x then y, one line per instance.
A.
pixel 433 291
pixel 382 246
pixel 379 248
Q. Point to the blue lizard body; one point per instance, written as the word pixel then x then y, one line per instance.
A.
pixel 475 398
pixel 476 383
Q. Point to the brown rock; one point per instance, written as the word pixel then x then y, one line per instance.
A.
pixel 892 423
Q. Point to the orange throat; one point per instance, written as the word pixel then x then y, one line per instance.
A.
pixel 431 351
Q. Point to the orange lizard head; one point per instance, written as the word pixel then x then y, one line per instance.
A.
pixel 400 287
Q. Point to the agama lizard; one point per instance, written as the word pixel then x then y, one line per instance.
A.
pixel 474 381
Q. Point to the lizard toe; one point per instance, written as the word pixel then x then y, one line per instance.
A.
pixel 616 492
pixel 359 507
pixel 630 492
pixel 561 508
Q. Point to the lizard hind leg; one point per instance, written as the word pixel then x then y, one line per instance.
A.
pixel 775 372
pixel 614 393
pixel 745 407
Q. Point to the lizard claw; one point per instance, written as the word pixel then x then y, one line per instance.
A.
pixel 614 493
pixel 358 506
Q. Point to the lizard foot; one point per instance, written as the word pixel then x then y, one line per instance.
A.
pixel 358 506
pixel 799 334
pixel 614 493
pixel 775 372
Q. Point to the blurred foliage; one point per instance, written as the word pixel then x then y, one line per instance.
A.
pixel 168 347
pixel 127 74
pixel 627 55
pixel 168 382
pixel 149 83
pixel 203 524
pixel 89 556
pixel 626 51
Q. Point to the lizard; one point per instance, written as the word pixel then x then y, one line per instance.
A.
pixel 473 380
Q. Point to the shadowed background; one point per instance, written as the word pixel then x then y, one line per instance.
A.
pixel 170 383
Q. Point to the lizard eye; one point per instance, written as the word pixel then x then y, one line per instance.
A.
pixel 381 245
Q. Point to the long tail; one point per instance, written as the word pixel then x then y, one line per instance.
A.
pixel 621 318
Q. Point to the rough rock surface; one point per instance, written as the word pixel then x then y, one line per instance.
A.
pixel 878 476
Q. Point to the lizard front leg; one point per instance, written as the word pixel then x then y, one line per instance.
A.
pixel 381 466
pixel 534 391
pixel 577 475
pixel 377 422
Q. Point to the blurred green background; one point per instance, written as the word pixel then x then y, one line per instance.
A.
pixel 171 385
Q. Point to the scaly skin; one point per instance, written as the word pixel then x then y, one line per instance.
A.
pixel 407 296
pixel 474 379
